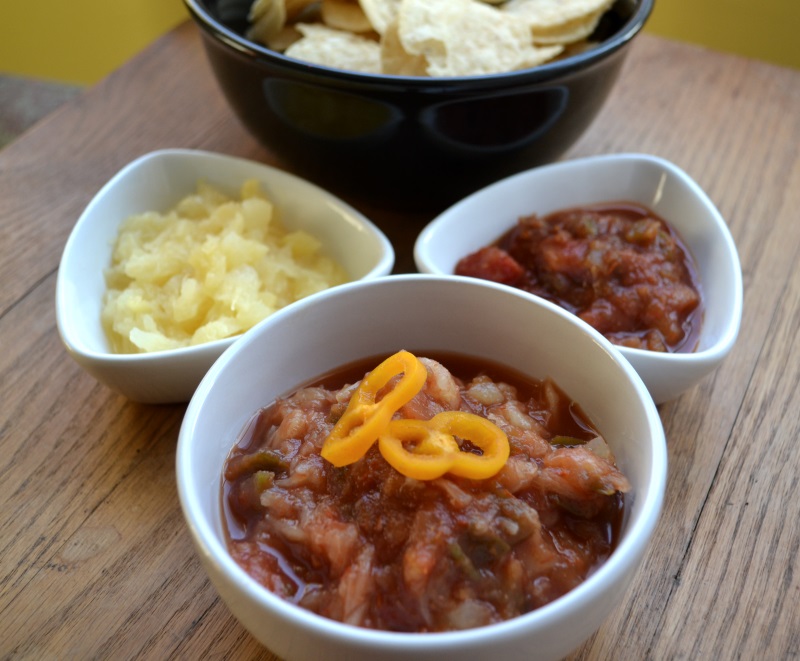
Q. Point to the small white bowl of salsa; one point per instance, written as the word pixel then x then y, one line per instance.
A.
pixel 633 198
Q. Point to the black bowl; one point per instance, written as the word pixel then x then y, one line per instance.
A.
pixel 406 142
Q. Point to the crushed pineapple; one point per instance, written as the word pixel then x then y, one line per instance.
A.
pixel 210 268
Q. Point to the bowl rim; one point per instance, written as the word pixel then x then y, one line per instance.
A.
pixel 540 73
pixel 612 571
pixel 383 265
pixel 724 342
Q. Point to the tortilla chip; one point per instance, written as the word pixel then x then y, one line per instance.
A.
pixel 568 33
pixel 558 21
pixel 336 48
pixel 437 38
pixel 396 60
pixel 467 38
pixel 267 18
pixel 544 14
pixel 345 15
pixel 381 13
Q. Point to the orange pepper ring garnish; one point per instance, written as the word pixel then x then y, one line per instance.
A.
pixel 365 418
pixel 432 456
pixel 437 452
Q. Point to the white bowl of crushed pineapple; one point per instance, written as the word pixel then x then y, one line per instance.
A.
pixel 183 251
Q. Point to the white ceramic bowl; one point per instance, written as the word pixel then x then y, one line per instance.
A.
pixel 157 181
pixel 484 216
pixel 419 312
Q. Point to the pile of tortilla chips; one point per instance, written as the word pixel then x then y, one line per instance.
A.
pixel 440 38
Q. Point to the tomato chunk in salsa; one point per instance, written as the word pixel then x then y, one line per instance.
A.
pixel 365 545
pixel 617 266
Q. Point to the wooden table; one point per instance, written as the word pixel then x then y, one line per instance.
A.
pixel 95 560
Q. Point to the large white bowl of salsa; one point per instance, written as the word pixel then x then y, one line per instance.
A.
pixel 420 313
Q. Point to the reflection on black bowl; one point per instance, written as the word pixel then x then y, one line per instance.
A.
pixel 406 142
pixel 462 125
pixel 330 115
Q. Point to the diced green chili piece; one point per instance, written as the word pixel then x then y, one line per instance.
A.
pixel 263 460
pixel 249 490
pixel 462 561
pixel 485 548
pixel 566 441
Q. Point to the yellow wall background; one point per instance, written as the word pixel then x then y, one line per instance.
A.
pixel 763 29
pixel 80 41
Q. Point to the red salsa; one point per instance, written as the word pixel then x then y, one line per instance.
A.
pixel 617 266
pixel 365 545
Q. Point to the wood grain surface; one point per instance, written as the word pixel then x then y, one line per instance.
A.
pixel 95 559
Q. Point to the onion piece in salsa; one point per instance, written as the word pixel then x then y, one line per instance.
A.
pixel 365 545
pixel 618 266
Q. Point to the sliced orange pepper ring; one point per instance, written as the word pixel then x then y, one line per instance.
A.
pixel 433 451
pixel 365 417
pixel 436 451
pixel 486 436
